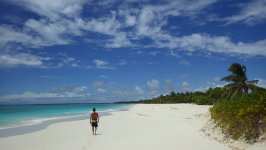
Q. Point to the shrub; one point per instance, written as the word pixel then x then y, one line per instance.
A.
pixel 242 116
pixel 203 100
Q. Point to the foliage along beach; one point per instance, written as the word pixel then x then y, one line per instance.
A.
pixel 239 107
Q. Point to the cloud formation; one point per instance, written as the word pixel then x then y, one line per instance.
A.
pixel 185 86
pixel 215 44
pixel 60 21
pixel 63 92
pixel 251 13
pixel 184 62
pixel 22 59
pixel 138 90
pixel 153 84
pixel 101 64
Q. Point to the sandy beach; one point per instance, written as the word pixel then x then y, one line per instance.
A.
pixel 143 126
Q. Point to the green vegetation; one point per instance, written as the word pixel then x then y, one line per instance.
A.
pixel 200 98
pixel 239 83
pixel 239 107
pixel 242 116
pixel 241 111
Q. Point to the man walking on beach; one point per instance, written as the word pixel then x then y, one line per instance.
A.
pixel 94 120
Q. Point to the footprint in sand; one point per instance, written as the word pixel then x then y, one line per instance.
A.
pixel 188 118
pixel 143 115
pixel 173 108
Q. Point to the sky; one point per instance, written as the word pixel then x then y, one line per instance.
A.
pixel 75 51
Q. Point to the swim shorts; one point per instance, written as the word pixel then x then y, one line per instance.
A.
pixel 94 123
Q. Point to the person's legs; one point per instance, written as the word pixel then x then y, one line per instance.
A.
pixel 93 130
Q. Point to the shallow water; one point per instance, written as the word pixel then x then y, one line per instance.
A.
pixel 24 115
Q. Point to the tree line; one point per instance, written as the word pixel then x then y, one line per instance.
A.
pixel 239 107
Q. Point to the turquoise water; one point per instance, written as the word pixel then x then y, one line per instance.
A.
pixel 22 115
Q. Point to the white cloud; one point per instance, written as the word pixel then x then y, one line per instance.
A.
pixel 29 95
pixel 50 32
pixel 22 59
pixel 185 86
pixel 74 65
pixel 209 43
pixel 138 90
pixel 261 83
pixel 153 84
pixel 104 25
pixel 251 13
pixel 119 40
pixel 76 92
pixel 80 89
pixel 10 34
pixel 60 21
pixel 28 59
pixel 101 64
pixel 101 90
pixel 151 18
pixel 184 62
pixel 65 60
pixel 173 53
pixel 52 9
pixel 147 21
pixel 130 20
pixel 216 82
pixel 71 93
pixel 109 26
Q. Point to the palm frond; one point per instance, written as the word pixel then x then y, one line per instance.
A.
pixel 231 86
pixel 253 81
pixel 238 83
pixel 227 78
pixel 255 88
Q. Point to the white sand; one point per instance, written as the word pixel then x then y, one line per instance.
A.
pixel 156 127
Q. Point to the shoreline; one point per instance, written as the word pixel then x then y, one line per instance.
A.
pixel 25 129
pixel 30 128
pixel 143 126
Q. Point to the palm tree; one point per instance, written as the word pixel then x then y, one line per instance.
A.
pixel 238 81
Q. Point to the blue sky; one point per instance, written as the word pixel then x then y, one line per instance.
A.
pixel 61 51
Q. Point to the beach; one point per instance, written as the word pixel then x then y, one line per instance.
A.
pixel 143 126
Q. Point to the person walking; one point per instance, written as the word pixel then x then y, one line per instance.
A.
pixel 94 120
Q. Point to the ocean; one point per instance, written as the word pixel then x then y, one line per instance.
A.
pixel 13 116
